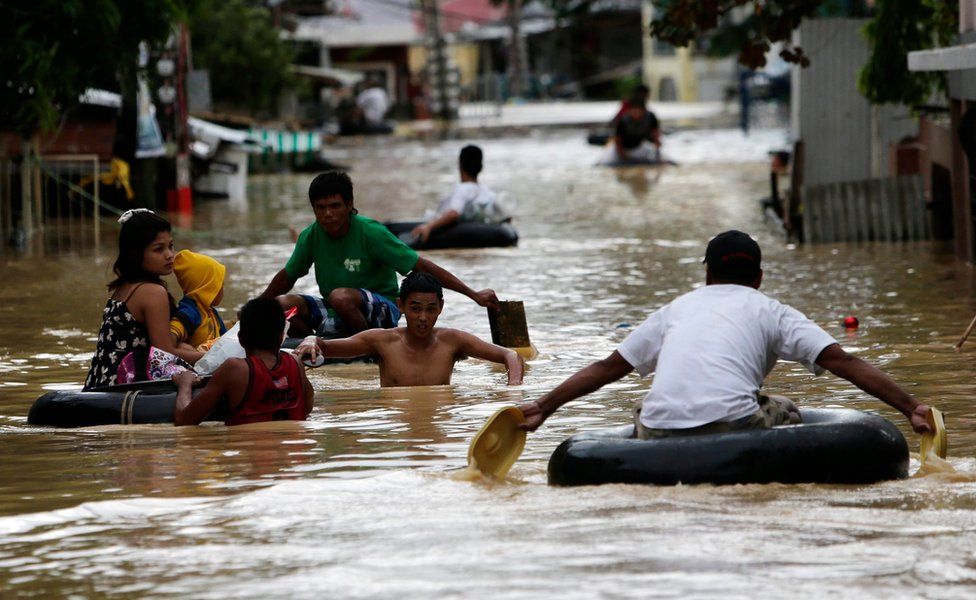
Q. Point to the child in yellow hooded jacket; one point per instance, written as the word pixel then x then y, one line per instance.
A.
pixel 197 322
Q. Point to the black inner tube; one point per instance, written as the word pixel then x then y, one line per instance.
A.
pixel 830 446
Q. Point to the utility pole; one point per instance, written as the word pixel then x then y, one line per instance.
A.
pixel 179 199
pixel 443 104
pixel 518 58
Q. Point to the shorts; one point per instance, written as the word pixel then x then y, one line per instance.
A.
pixel 380 312
pixel 646 152
pixel 773 411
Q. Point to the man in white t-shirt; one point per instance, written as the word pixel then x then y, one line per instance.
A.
pixel 470 201
pixel 373 103
pixel 710 351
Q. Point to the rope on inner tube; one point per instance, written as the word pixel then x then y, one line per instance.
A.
pixel 128 404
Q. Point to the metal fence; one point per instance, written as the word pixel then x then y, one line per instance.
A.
pixel 482 99
pixel 889 209
pixel 58 195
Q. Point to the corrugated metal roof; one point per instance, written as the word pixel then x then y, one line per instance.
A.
pixel 361 23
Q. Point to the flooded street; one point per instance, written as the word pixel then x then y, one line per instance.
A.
pixel 359 501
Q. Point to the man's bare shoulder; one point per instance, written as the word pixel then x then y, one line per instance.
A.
pixel 231 367
pixel 455 333
pixel 453 337
pixel 380 335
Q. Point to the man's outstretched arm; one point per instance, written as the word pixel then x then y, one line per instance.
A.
pixel 587 380
pixel 448 280
pixel 280 284
pixel 424 230
pixel 471 345
pixel 875 382
pixel 192 411
pixel 363 343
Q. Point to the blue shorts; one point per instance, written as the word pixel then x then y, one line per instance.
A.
pixel 380 312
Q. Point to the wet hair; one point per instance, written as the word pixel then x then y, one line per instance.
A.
pixel 470 160
pixel 137 233
pixel 328 184
pixel 636 100
pixel 642 90
pixel 262 323
pixel 420 283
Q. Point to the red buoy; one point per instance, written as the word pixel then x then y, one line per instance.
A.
pixel 851 322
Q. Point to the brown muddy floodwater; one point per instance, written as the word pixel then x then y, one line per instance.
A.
pixel 359 501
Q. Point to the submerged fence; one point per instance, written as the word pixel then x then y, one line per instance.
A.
pixel 889 209
pixel 59 195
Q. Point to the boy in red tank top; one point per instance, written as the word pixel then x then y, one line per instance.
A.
pixel 266 385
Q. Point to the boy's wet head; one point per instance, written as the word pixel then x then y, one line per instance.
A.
pixel 262 324
pixel 416 281
pixel 421 301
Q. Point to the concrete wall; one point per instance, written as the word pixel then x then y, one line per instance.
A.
pixel 831 116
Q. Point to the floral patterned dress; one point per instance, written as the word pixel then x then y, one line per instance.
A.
pixel 120 334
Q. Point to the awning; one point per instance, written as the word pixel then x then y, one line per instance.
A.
pixel 341 76
pixel 207 137
pixel 952 58
pixel 101 98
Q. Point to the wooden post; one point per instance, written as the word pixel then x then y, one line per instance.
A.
pixel 829 213
pixel 795 199
pixel 6 208
pixel 809 216
pixel 36 191
pixel 874 212
pixel 864 206
pixel 837 208
pixel 96 203
pixel 897 198
pixel 923 227
pixel 850 212
pixel 26 206
pixel 961 204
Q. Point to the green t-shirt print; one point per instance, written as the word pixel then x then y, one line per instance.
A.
pixel 368 256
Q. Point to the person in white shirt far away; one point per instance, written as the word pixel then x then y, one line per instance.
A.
pixel 373 103
pixel 470 200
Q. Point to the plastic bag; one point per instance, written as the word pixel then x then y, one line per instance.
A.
pixel 226 346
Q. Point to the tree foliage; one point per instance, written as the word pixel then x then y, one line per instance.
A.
pixel 236 41
pixel 900 27
pixel 53 50
pixel 750 27
pixel 747 26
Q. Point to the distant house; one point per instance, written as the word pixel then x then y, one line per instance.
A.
pixel 80 147
pixel 950 147
pixel 845 138
pixel 371 38
pixel 848 184
pixel 387 41
pixel 682 74
pixel 88 129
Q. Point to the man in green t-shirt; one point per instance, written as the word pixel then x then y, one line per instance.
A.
pixel 356 261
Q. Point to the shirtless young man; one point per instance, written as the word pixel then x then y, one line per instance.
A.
pixel 418 354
